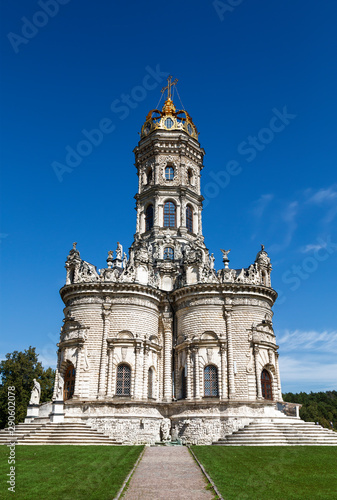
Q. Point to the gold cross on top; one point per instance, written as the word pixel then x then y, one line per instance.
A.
pixel 169 86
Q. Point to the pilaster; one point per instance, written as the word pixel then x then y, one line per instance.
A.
pixel 102 371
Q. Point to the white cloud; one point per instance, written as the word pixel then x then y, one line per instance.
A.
pixel 323 195
pixel 308 341
pixel 288 216
pixel 261 204
pixel 313 247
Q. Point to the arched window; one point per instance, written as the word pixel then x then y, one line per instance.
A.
pixel 189 219
pixel 123 383
pixel 189 176
pixel 211 381
pixel 168 253
pixel 169 214
pixel 150 383
pixel 69 382
pixel 149 218
pixel 266 385
pixel 169 173
pixel 149 176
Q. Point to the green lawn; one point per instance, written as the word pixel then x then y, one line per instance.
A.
pixel 267 472
pixel 67 472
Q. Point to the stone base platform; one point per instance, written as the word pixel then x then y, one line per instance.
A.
pixel 192 422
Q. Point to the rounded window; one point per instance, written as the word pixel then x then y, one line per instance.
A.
pixel 211 381
pixel 168 123
pixel 168 253
pixel 169 173
pixel 189 219
pixel 123 382
pixel 190 177
pixel 169 214
pixel 149 176
pixel 149 218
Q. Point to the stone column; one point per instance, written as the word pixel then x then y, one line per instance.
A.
pixel 278 376
pixel 111 372
pixel 142 220
pixel 230 355
pixel 177 382
pixel 136 388
pixel 178 215
pixel 183 213
pixel 167 322
pixel 224 391
pixel 102 370
pixel 57 376
pixel 257 372
pixel 196 373
pixel 140 178
pixel 138 217
pixel 189 381
pixel 155 212
pixel 199 221
pixel 77 372
pixel 146 372
pixel 160 214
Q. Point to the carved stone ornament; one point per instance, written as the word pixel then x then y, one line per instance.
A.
pixel 250 363
pixel 209 354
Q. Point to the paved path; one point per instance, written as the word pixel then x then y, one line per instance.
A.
pixel 168 473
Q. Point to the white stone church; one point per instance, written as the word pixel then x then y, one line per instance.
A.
pixel 159 345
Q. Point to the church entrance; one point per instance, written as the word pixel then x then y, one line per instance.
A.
pixel 69 383
pixel 266 386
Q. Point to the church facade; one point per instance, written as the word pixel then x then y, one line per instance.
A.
pixel 159 344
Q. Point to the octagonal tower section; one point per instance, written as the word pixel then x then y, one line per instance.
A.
pixel 169 160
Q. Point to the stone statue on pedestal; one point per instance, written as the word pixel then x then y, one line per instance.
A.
pixel 35 394
pixel 165 428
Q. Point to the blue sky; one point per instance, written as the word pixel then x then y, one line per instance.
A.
pixel 259 80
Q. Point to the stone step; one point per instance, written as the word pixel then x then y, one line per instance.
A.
pixel 297 433
pixel 57 433
pixel 271 443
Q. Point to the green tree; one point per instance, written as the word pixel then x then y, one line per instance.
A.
pixel 318 407
pixel 18 370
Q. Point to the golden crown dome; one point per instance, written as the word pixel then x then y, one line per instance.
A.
pixel 169 118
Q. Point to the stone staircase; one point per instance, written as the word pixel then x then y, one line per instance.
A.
pixel 62 433
pixel 296 433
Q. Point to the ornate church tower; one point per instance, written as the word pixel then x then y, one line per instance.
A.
pixel 169 160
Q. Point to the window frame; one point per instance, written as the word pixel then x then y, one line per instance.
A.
pixel 126 369
pixel 169 170
pixel 149 219
pixel 166 252
pixel 267 385
pixel 69 382
pixel 189 218
pixel 169 214
pixel 213 381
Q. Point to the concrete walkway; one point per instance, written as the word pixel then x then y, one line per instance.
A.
pixel 168 473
